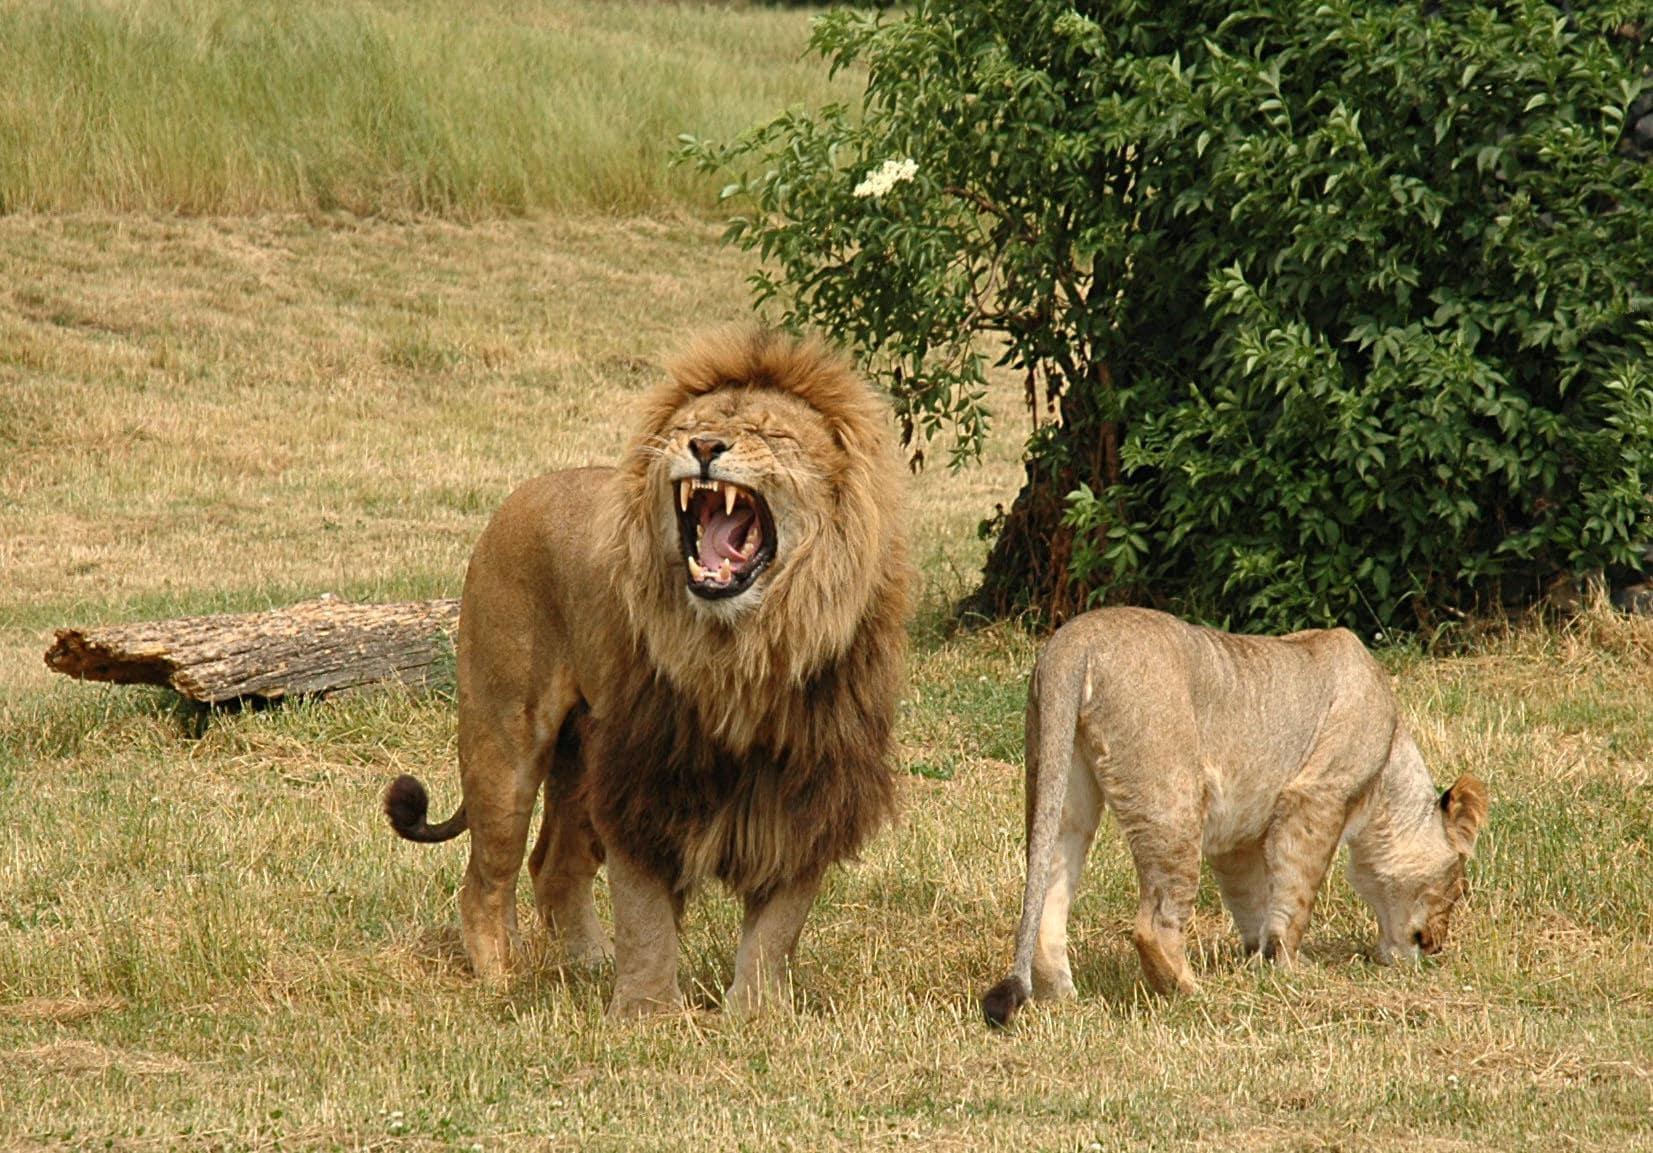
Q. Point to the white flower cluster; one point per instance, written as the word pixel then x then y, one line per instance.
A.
pixel 888 175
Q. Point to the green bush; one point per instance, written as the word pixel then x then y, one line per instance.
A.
pixel 1328 312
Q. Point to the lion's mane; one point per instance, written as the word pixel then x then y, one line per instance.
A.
pixel 757 750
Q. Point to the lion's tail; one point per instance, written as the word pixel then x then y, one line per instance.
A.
pixel 406 804
pixel 1052 717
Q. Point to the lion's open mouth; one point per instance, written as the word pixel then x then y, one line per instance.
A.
pixel 727 533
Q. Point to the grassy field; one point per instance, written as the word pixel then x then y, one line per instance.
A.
pixel 466 108
pixel 216 943
pixel 209 939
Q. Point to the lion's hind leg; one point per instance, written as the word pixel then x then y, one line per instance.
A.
pixel 566 857
pixel 499 799
pixel 563 879
pixel 503 756
pixel 1170 879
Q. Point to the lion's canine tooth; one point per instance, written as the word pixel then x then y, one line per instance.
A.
pixel 728 500
pixel 683 487
pixel 723 571
pixel 695 570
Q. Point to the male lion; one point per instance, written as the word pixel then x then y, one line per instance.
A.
pixel 1264 753
pixel 698 654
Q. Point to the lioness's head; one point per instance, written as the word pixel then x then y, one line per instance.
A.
pixel 1415 880
pixel 759 511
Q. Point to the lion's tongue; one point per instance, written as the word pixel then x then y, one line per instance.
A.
pixel 723 538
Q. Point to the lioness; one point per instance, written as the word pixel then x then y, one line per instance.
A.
pixel 698 655
pixel 1263 753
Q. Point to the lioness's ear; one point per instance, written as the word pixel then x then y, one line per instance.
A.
pixel 1464 809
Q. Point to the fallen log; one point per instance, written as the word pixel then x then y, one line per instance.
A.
pixel 319 646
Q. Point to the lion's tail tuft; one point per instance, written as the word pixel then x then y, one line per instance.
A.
pixel 999 1004
pixel 407 803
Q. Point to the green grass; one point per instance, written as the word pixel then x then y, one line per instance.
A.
pixel 498 107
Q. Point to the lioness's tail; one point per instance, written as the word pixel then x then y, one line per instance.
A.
pixel 406 804
pixel 1054 695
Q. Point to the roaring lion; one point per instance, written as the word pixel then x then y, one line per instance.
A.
pixel 698 654
pixel 1262 753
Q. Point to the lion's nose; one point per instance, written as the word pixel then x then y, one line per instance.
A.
pixel 707 449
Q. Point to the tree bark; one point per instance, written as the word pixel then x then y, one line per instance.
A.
pixel 316 647
pixel 1027 568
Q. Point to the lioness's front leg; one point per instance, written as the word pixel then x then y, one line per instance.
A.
pixel 768 934
pixel 1301 842
pixel 645 940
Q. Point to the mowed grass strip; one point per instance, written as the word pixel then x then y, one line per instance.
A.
pixel 449 107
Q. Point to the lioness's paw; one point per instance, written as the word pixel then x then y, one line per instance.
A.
pixel 631 1006
pixel 742 1003
pixel 492 971
pixel 1276 951
pixel 1054 988
pixel 589 955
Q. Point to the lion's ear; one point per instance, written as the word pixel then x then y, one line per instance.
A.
pixel 1464 809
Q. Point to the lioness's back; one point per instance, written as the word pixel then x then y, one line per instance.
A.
pixel 1178 714
pixel 1142 662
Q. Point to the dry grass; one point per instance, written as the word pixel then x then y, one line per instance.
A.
pixel 212 941
pixel 283 404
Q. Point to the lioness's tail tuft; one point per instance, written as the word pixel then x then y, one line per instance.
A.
pixel 407 803
pixel 999 1004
